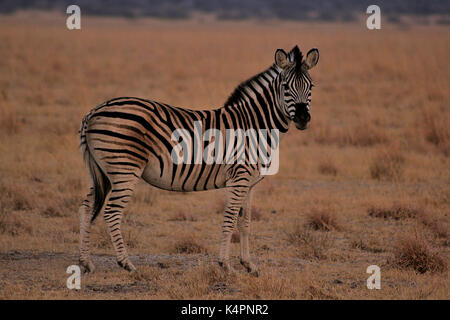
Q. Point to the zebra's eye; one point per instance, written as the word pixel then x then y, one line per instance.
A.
pixel 285 86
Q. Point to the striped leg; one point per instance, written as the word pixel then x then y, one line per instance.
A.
pixel 120 195
pixel 85 213
pixel 236 196
pixel 244 232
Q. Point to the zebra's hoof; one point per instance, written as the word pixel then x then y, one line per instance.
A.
pixel 127 265
pixel 252 269
pixel 86 266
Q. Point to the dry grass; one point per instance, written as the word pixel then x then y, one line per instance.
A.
pixel 257 214
pixel 183 216
pixel 325 220
pixel 437 130
pixel 361 135
pixel 395 212
pixel 378 139
pixel 387 166
pixel 14 224
pixel 189 245
pixel 308 243
pixel 9 122
pixel 414 252
pixel 328 168
pixel 438 225
pixel 366 246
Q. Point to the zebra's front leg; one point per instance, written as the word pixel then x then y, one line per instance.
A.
pixel 236 196
pixel 244 221
pixel 85 213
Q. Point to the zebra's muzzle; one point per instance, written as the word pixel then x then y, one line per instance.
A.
pixel 302 116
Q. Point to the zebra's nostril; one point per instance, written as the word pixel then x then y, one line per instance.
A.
pixel 308 117
pixel 302 112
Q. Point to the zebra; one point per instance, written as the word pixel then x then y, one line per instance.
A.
pixel 126 139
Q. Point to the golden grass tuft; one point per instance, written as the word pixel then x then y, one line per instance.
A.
pixel 414 252
pixel 52 211
pixel 325 220
pixel 366 246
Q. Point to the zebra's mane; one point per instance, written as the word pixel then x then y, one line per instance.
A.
pixel 238 93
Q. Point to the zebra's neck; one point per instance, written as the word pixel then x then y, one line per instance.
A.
pixel 258 100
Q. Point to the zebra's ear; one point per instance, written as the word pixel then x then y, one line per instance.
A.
pixel 281 59
pixel 312 57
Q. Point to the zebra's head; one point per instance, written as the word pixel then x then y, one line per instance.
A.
pixel 295 84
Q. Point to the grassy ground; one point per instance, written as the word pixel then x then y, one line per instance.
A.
pixel 367 183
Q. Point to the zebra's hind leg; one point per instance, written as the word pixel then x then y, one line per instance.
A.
pixel 120 195
pixel 236 196
pixel 244 232
pixel 86 212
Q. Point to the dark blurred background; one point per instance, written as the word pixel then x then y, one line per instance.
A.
pixel 317 10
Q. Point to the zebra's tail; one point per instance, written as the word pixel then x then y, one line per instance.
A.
pixel 100 182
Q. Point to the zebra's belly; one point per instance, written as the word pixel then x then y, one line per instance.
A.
pixel 191 177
